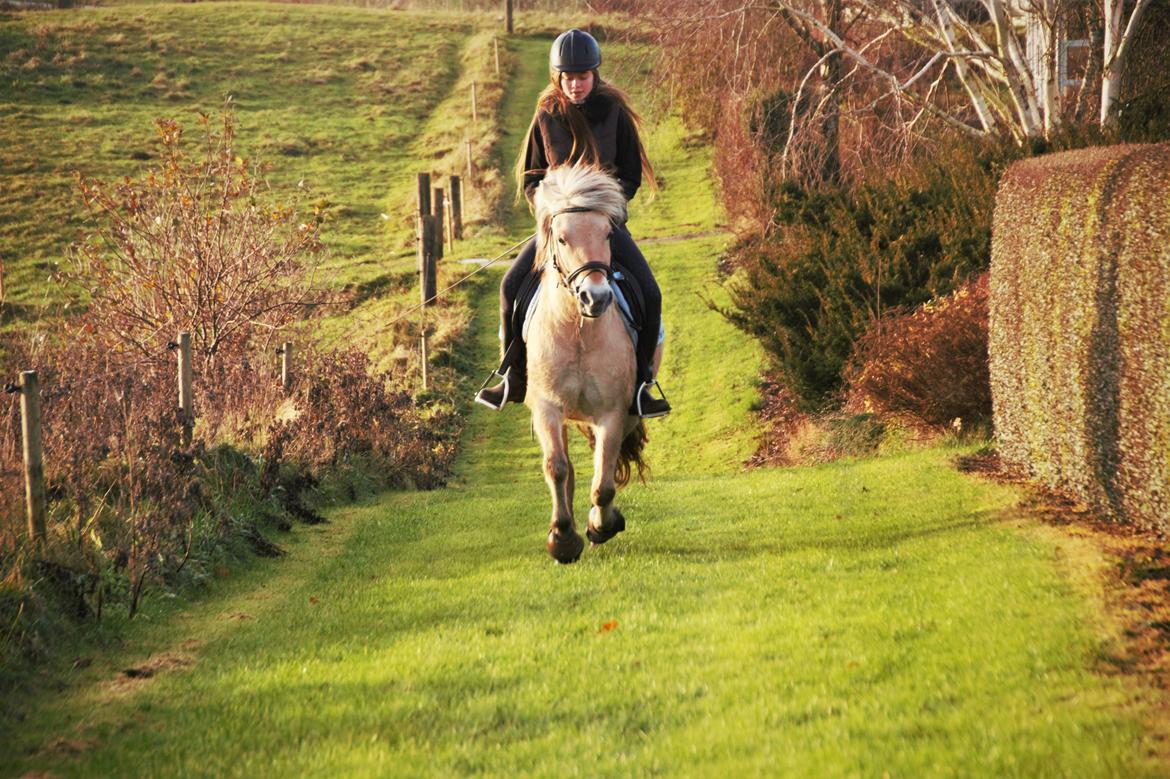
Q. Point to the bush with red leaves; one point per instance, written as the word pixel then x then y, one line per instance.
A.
pixel 931 362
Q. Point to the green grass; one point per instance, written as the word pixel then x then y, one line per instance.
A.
pixel 860 618
pixel 335 97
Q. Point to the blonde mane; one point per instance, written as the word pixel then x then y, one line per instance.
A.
pixel 575 186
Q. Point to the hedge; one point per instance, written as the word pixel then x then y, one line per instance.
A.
pixel 1079 335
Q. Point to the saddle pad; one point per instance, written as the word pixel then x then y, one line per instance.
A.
pixel 619 298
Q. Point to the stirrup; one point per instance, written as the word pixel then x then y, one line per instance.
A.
pixel 645 387
pixel 507 386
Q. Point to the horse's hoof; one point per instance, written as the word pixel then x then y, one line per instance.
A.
pixel 598 536
pixel 565 548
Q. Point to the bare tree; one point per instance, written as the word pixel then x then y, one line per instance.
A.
pixel 1117 45
pixel 984 67
pixel 195 244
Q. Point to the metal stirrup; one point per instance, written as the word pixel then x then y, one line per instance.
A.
pixel 646 385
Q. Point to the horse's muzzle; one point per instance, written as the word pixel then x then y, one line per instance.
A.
pixel 593 300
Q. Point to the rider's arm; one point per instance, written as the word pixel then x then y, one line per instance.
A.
pixel 535 162
pixel 629 160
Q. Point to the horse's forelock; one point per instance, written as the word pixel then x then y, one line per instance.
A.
pixel 577 186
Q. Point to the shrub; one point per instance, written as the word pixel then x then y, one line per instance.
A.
pixel 930 362
pixel 122 486
pixel 842 258
pixel 344 411
pixel 1079 346
pixel 192 245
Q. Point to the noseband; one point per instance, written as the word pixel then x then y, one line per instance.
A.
pixel 567 279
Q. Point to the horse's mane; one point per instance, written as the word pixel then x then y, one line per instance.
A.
pixel 575 186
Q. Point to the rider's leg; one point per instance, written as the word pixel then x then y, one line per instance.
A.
pixel 512 353
pixel 626 252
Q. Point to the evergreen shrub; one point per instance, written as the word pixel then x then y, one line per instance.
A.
pixel 838 259
pixel 1079 334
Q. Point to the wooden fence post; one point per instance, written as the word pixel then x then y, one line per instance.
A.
pixel 425 358
pixel 450 223
pixel 186 404
pixel 470 164
pixel 426 258
pixel 440 221
pixel 427 268
pixel 496 46
pixel 34 467
pixel 286 358
pixel 455 199
pixel 424 194
pixel 508 15
pixel 474 105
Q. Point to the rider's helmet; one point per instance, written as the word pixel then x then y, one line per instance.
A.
pixel 575 51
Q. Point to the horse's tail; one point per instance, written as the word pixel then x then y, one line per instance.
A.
pixel 631 455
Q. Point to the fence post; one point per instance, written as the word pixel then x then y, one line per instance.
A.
pixel 186 404
pixel 286 358
pixel 455 200
pixel 423 354
pixel 496 46
pixel 450 222
pixel 426 267
pixel 34 467
pixel 470 164
pixel 426 258
pixel 424 194
pixel 474 105
pixel 440 221
pixel 508 15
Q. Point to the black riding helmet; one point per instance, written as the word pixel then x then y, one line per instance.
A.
pixel 575 51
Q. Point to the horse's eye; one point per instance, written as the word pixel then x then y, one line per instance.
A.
pixel 561 240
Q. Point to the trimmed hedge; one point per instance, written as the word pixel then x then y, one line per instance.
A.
pixel 1079 336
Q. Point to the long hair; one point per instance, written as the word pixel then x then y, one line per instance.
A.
pixel 556 103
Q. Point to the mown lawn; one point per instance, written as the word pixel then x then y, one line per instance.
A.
pixel 866 618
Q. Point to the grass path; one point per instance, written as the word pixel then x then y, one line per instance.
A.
pixel 870 618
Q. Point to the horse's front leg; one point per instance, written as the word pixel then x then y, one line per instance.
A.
pixel 605 521
pixel 564 544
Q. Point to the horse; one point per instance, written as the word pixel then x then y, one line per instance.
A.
pixel 580 356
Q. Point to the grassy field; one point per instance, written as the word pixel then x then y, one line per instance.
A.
pixel 886 617
pixel 334 97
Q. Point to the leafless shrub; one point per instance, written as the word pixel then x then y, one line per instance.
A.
pixel 194 245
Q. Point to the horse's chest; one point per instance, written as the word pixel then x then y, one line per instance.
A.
pixel 587 374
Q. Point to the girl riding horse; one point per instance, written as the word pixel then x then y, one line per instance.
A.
pixel 581 119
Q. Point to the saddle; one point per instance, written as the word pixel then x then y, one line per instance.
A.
pixel 628 296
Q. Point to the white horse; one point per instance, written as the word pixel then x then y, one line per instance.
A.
pixel 580 356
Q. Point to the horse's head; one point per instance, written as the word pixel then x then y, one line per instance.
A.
pixel 577 208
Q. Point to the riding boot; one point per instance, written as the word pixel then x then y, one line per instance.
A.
pixel 513 371
pixel 515 288
pixel 646 405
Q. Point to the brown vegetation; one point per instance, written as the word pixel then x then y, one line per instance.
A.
pixel 930 362
pixel 133 500
pixel 1080 357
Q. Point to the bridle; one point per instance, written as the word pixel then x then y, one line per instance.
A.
pixel 567 279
